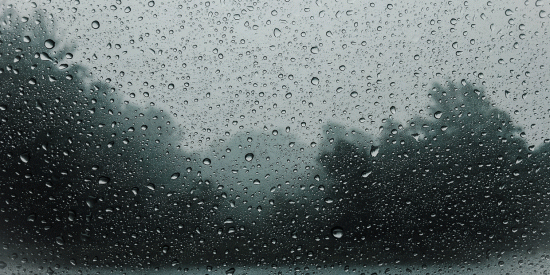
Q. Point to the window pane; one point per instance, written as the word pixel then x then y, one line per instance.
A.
pixel 233 137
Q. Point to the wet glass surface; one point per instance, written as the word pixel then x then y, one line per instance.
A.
pixel 247 137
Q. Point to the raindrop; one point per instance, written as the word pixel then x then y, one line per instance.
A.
pixel 288 95
pixel 151 3
pixel 60 241
pixel 508 12
pixel 249 157
pixel 366 174
pixel 127 10
pixel 374 151
pixel 206 161
pixel 354 94
pixel 165 249
pixel 337 232
pixel 256 181
pixel 438 114
pixel 171 86
pixel 104 180
pixel 49 44
pixel 25 157
pixel 315 81
pixel 276 32
pixel 175 176
pixel 543 14
pixel 95 25
pixel 275 132
pixel 314 50
pixel 393 109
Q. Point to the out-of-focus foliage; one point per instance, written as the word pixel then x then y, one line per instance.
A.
pixel 457 185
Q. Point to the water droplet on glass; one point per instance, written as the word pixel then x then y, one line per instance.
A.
pixel 256 181
pixel 249 157
pixel 170 86
pixel 315 81
pixel 165 249
pixel 354 94
pixel 337 232
pixel 374 151
pixel 95 24
pixel 314 50
pixel 25 157
pixel 508 12
pixel 438 114
pixel 393 109
pixel 104 180
pixel 127 10
pixel 288 95
pixel 366 174
pixel 542 14
pixel 206 161
pixel 276 32
pixel 275 132
pixel 175 176
pixel 26 39
pixel 151 3
pixel 60 241
pixel 49 44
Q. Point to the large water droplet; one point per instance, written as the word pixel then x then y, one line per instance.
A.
pixel 337 232
pixel 249 157
pixel 49 44
pixel 438 114
pixel 374 151
pixel 206 161
pixel 366 174
pixel 95 24
pixel 276 32
pixel 175 176
pixel 314 50
pixel 393 110
pixel 256 181
pixel 315 81
pixel 60 241
pixel 104 180
pixel 25 157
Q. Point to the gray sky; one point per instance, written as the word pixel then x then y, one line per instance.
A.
pixel 250 64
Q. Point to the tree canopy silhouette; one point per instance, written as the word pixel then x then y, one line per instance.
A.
pixel 452 186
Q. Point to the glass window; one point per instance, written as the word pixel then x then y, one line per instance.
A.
pixel 250 137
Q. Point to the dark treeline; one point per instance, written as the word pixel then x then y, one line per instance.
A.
pixel 462 184
pixel 90 180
